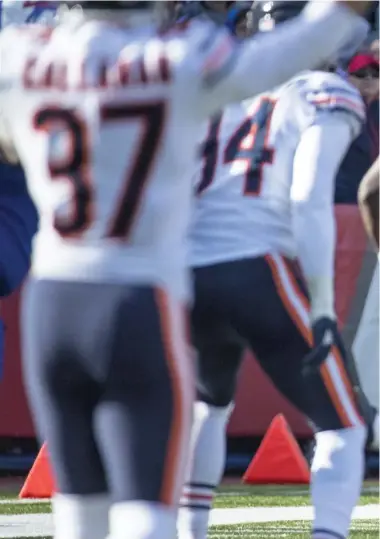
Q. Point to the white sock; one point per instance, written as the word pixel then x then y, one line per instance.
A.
pixel 337 478
pixel 80 517
pixel 206 467
pixel 142 520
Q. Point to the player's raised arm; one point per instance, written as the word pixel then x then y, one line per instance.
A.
pixel 232 70
pixel 369 201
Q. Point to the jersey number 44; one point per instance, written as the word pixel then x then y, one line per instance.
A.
pixel 248 144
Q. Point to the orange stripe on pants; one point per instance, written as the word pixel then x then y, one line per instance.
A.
pixel 280 271
pixel 182 386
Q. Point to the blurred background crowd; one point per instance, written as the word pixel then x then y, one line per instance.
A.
pixel 363 71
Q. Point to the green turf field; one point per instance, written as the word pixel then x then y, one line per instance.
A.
pixel 237 499
pixel 363 530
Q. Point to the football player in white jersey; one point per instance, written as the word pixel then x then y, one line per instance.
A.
pixel 103 112
pixel 265 189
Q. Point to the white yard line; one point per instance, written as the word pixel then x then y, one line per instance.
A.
pixel 278 514
pixel 25 525
pixel 40 525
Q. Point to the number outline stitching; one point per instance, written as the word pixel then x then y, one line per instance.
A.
pixel 235 146
pixel 79 178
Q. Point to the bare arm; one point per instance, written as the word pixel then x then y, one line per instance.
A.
pixel 369 201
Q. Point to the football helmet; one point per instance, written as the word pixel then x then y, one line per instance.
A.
pixel 240 19
pixel 223 13
pixel 268 14
pixel 216 11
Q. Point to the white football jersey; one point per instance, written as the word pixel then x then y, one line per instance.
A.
pixel 105 119
pixel 261 158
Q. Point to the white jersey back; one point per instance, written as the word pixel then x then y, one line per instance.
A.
pixel 244 179
pixel 98 120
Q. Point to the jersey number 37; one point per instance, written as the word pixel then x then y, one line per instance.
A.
pixel 77 167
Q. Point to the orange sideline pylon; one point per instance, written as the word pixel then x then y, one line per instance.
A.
pixel 39 483
pixel 279 460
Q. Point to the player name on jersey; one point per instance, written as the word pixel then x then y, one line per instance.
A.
pixel 99 74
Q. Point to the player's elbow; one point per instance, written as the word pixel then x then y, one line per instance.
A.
pixel 368 194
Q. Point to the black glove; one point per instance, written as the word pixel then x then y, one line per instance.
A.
pixel 325 336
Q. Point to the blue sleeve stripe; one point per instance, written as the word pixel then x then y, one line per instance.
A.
pixel 333 90
pixel 338 108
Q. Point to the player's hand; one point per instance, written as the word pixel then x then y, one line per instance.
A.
pixel 360 7
pixel 325 336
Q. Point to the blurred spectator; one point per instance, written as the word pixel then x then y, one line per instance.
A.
pixel 373 19
pixel 374 49
pixel 363 72
pixel 18 225
pixel 18 215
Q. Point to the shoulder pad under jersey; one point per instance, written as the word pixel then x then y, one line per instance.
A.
pixel 330 92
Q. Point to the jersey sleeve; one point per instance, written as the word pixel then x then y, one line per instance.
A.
pixel 329 94
pixel 227 70
pixel 321 149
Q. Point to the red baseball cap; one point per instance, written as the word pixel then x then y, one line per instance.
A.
pixel 361 61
